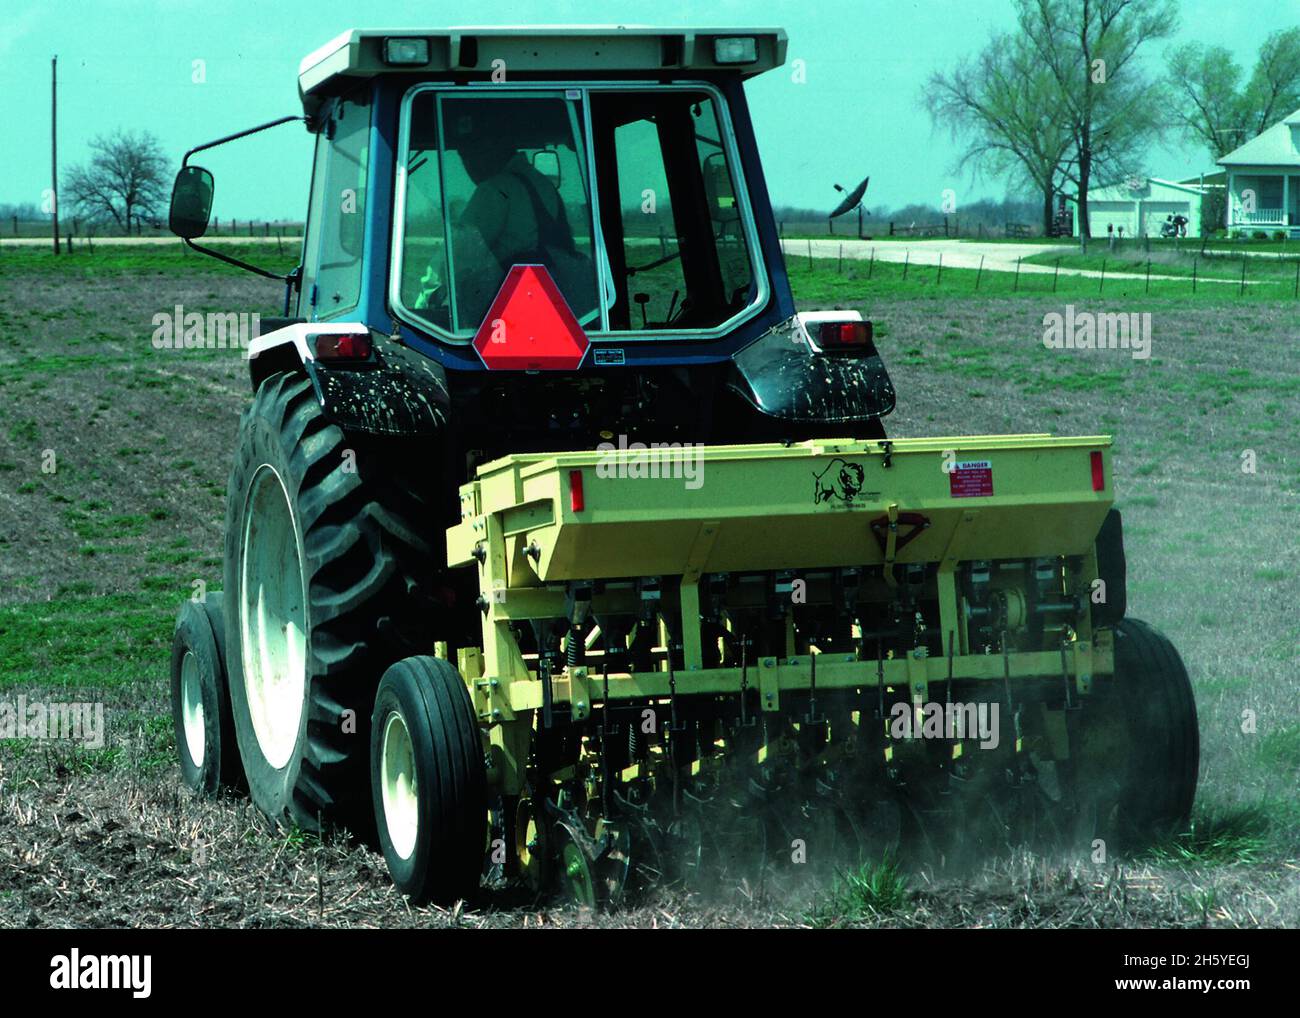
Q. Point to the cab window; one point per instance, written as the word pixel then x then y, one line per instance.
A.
pixel 341 209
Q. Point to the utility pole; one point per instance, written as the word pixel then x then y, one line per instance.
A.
pixel 54 145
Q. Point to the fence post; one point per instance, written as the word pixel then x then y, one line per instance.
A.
pixel 1102 285
pixel 1015 287
pixel 871 264
pixel 1056 274
pixel 1242 291
pixel 810 261
pixel 907 257
pixel 939 278
pixel 1194 275
pixel 979 273
pixel 1148 290
pixel 839 267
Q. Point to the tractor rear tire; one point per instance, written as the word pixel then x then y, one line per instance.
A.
pixel 201 721
pixel 429 783
pixel 326 573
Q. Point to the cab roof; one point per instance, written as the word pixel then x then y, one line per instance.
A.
pixel 585 51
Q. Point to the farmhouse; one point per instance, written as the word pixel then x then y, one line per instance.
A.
pixel 1264 181
pixel 1140 206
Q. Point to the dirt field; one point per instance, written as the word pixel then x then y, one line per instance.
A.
pixel 113 460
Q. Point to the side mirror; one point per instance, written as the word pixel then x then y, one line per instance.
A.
pixel 191 202
pixel 547 162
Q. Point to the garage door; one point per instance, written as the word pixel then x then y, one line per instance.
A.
pixel 1103 214
pixel 1154 213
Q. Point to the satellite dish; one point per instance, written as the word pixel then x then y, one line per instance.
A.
pixel 852 200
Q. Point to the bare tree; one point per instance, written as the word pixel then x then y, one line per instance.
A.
pixel 1211 104
pixel 1090 46
pixel 126 179
pixel 1007 106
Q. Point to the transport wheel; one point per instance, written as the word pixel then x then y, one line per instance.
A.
pixel 1142 752
pixel 428 781
pixel 323 572
pixel 205 734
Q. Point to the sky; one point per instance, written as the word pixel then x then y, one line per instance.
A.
pixel 130 63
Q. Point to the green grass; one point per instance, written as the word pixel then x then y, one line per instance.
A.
pixel 111 641
pixel 876 890
pixel 823 282
pixel 167 257
pixel 1220 837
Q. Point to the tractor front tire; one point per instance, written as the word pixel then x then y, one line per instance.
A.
pixel 323 566
pixel 429 782
pixel 201 720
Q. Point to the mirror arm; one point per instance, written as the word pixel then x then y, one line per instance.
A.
pixel 292 282
pixel 185 160
pixel 239 134
pixel 286 278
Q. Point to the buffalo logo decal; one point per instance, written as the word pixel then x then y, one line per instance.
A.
pixel 840 479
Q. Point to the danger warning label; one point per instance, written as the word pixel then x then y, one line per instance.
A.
pixel 971 479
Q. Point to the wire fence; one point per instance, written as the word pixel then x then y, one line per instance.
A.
pixel 1271 276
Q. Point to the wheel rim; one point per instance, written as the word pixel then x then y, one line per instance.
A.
pixel 272 618
pixel 192 719
pixel 399 787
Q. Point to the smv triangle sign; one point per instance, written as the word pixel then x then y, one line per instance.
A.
pixel 529 326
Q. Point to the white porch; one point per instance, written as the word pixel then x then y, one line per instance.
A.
pixel 1265 199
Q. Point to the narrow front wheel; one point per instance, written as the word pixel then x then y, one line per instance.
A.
pixel 428 781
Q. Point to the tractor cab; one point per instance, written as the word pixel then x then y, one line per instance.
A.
pixel 584 201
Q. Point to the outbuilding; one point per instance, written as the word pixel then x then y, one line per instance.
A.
pixel 1140 206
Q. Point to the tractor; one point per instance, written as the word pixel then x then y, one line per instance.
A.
pixel 563 551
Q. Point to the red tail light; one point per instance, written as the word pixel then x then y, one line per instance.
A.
pixel 1098 472
pixel 576 500
pixel 843 335
pixel 343 346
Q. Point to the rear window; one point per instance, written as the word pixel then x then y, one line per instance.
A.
pixel 491 183
pixel 658 242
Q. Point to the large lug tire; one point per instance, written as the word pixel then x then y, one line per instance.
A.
pixel 201 719
pixel 1142 743
pixel 429 781
pixel 325 576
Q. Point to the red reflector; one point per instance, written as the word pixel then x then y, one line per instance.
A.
pixel 576 501
pixel 837 335
pixel 343 347
pixel 1098 472
pixel 529 326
